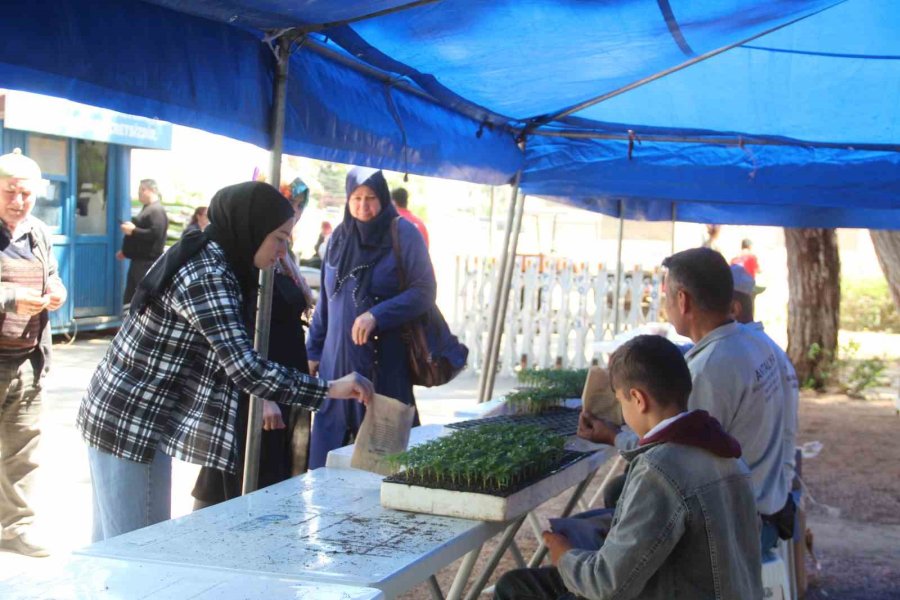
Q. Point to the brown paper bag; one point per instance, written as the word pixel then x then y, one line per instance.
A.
pixel 598 399
pixel 384 431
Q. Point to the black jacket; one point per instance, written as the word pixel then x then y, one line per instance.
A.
pixel 149 237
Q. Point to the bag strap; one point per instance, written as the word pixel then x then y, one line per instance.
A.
pixel 398 255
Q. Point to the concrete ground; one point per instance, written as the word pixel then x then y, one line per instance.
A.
pixel 62 497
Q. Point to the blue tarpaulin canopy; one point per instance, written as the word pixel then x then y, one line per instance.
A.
pixel 729 111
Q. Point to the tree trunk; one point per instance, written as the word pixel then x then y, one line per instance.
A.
pixel 814 281
pixel 887 247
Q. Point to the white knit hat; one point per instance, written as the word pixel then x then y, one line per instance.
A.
pixel 18 166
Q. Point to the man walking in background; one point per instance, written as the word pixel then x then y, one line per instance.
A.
pixel 30 288
pixel 401 200
pixel 145 236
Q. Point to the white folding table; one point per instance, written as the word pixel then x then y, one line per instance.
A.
pixel 96 578
pixel 326 526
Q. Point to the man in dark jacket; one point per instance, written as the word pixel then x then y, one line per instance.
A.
pixel 30 288
pixel 145 236
pixel 685 525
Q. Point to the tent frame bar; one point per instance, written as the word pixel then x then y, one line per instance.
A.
pixel 266 276
pixel 736 140
pixel 540 121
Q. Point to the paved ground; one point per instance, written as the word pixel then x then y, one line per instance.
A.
pixel 63 495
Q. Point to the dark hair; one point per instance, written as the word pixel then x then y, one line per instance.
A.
pixel 745 244
pixel 704 274
pixel 200 211
pixel 400 197
pixel 654 364
pixel 746 302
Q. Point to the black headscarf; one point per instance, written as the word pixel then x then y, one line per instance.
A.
pixel 355 246
pixel 240 218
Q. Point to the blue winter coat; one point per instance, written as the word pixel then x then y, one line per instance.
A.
pixel 383 359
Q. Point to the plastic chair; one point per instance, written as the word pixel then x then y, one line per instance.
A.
pixel 776 585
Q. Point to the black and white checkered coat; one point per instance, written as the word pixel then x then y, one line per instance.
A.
pixel 171 376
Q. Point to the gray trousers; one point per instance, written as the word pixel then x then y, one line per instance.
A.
pixel 20 409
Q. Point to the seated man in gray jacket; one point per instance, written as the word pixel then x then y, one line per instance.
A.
pixel 685 525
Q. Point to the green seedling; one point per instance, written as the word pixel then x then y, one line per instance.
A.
pixel 486 459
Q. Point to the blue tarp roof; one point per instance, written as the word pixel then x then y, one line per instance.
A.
pixel 733 111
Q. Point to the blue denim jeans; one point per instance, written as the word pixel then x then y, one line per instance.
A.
pixel 128 495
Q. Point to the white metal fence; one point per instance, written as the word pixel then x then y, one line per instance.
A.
pixel 557 309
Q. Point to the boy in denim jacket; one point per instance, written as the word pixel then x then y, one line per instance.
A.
pixel 685 525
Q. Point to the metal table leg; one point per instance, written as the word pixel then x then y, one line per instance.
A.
pixel 505 541
pixel 435 588
pixel 517 555
pixel 605 483
pixel 535 523
pixel 463 574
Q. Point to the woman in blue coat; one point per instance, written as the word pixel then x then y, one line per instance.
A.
pixel 356 326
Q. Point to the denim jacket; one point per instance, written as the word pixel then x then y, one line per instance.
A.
pixel 685 527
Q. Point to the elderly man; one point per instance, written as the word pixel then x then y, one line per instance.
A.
pixel 29 288
pixel 145 237
pixel 736 375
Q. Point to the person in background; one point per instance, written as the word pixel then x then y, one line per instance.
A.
pixel 686 524
pixel 145 237
pixel 358 320
pixel 198 221
pixel 285 428
pixel 781 524
pixel 30 288
pixel 747 259
pixel 315 261
pixel 322 241
pixel 169 384
pixel 711 237
pixel 735 374
pixel 401 200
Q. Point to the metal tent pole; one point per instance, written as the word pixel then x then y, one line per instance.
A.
pixel 616 322
pixel 505 285
pixel 266 276
pixel 674 215
pixel 495 306
pixel 494 356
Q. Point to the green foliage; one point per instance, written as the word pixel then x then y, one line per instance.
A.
pixel 853 375
pixel 482 459
pixel 866 305
pixel 824 367
pixel 546 388
pixel 332 177
pixel 535 400
pixel 858 375
pixel 568 382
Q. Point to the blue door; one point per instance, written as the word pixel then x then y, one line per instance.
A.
pixel 94 290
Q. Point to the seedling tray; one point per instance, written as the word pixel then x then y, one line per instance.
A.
pixel 494 505
pixel 559 420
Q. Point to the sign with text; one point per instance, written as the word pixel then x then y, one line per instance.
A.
pixel 56 116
